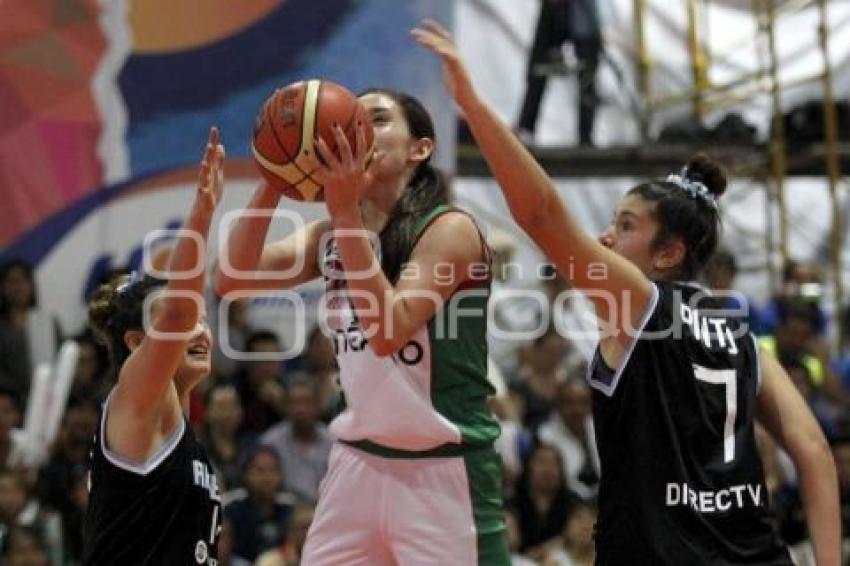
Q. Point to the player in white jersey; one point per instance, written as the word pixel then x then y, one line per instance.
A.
pixel 414 478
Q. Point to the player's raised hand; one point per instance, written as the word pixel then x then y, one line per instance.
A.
pixel 347 172
pixel 435 37
pixel 211 174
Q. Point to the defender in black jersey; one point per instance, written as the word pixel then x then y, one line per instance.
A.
pixel 167 511
pixel 677 388
pixel 154 498
pixel 682 481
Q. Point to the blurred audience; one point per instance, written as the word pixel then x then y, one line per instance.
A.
pixel 720 273
pixel 801 282
pixel 220 432
pixel 20 509
pixel 542 502
pixel 578 546
pixel 62 483
pixel 28 336
pixel 289 553
pixel 570 430
pixel 541 373
pixel 512 529
pixel 319 363
pixel 91 377
pixel 257 516
pixel 233 335
pixel 27 547
pixel 12 441
pixel 302 442
pixel 796 334
pixel 259 383
pixel 841 362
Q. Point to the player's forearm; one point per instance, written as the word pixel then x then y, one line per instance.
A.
pixel 819 490
pixel 527 189
pixel 245 242
pixel 188 257
pixel 368 288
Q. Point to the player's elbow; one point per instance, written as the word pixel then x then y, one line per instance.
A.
pixel 812 452
pixel 820 451
pixel 534 211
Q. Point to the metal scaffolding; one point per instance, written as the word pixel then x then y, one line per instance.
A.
pixel 703 96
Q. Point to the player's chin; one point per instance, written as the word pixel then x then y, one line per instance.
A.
pixel 198 366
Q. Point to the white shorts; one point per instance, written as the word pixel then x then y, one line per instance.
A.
pixel 379 511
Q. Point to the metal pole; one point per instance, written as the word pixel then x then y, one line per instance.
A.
pixel 778 145
pixel 770 228
pixel 698 61
pixel 833 168
pixel 644 68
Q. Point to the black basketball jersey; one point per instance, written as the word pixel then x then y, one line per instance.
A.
pixel 167 512
pixel 682 482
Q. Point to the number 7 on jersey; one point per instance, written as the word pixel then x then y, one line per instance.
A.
pixel 726 378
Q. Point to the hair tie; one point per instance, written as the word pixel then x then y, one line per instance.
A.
pixel 695 189
pixel 124 287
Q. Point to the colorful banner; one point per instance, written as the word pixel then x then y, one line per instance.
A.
pixel 94 93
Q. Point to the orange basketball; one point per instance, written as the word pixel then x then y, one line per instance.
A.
pixel 288 123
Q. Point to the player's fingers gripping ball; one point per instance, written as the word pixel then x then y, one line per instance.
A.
pixel 287 124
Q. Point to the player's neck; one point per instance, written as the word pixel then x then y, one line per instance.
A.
pixel 382 198
pixel 185 396
pixel 374 215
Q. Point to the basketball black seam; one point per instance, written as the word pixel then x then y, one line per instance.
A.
pixel 350 120
pixel 289 158
pixel 279 143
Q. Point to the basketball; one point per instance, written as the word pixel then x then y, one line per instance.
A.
pixel 287 124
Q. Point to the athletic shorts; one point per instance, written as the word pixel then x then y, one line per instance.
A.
pixel 376 511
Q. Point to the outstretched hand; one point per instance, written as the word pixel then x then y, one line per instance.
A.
pixel 345 173
pixel 435 37
pixel 211 175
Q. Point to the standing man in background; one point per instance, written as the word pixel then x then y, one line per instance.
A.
pixel 576 21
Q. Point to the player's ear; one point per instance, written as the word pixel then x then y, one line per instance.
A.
pixel 421 149
pixel 670 255
pixel 132 339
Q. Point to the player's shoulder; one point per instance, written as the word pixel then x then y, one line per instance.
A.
pixel 448 218
pixel 451 231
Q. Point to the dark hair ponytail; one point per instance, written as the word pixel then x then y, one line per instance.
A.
pixel 427 189
pixel 686 210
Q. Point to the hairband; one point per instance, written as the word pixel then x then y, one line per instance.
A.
pixel 695 189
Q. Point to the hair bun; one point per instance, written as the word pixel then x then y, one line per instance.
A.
pixel 708 172
pixel 102 306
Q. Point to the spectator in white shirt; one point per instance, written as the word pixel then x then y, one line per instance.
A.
pixel 570 430
pixel 302 442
